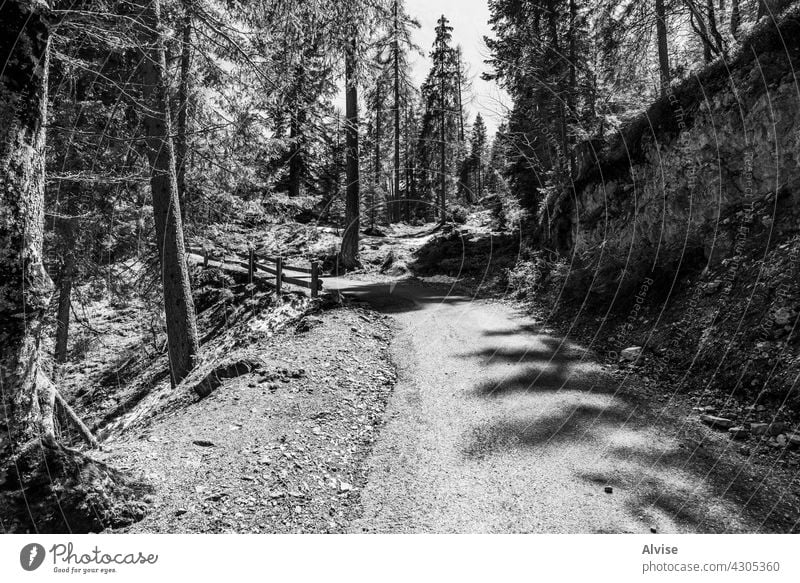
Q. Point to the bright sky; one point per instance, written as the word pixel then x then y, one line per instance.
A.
pixel 469 19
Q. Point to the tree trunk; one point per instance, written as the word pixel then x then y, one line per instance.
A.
pixel 573 81
pixel 183 342
pixel 64 305
pixel 378 155
pixel 442 150
pixel 714 30
pixel 458 94
pixel 181 139
pixel 396 48
pixel 736 19
pixel 479 177
pixel 663 53
pixel 348 256
pixel 407 197
pixel 296 160
pixel 25 288
pixel 296 133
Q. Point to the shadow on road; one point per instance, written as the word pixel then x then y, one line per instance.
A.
pixel 608 432
pixel 395 297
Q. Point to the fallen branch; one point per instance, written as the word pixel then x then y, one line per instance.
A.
pixel 86 434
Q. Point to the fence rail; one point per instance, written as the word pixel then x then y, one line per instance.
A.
pixel 254 265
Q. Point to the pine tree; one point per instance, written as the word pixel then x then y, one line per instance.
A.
pixel 183 341
pixel 439 123
pixel 477 154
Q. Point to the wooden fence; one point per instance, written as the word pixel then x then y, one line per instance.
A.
pixel 255 266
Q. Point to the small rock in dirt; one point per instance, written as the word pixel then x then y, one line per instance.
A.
pixel 782 317
pixel 632 353
pixel 608 490
pixel 716 422
pixel 345 487
pixel 767 428
pixel 181 511
pixel 738 432
pixel 707 409
pixel 308 323
pixel 203 443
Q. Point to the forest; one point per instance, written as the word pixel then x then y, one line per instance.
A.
pixel 256 255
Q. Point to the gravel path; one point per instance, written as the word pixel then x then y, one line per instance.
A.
pixel 496 427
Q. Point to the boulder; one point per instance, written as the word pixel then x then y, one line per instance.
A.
pixel 716 422
pixel 738 432
pixel 632 353
pixel 770 429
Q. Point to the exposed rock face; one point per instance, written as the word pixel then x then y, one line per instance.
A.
pixel 713 164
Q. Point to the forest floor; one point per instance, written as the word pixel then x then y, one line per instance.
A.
pixel 276 450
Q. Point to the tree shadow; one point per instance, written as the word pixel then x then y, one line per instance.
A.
pixel 556 400
pixel 515 331
pixel 698 484
pixel 572 423
pixel 401 296
pixel 551 366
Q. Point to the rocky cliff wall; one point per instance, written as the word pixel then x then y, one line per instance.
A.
pixel 711 168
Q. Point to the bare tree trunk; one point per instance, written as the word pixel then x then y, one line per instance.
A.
pixel 736 18
pixel 183 342
pixel 458 94
pixel 479 176
pixel 697 20
pixel 181 139
pixel 407 204
pixel 712 26
pixel 378 155
pixel 396 49
pixel 64 305
pixel 348 256
pixel 297 128
pixel 573 82
pixel 25 288
pixel 296 162
pixel 663 52
pixel 442 150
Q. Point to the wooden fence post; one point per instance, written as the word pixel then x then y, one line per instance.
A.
pixel 251 263
pixel 314 279
pixel 279 274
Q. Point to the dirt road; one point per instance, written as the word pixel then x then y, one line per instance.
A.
pixel 496 427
